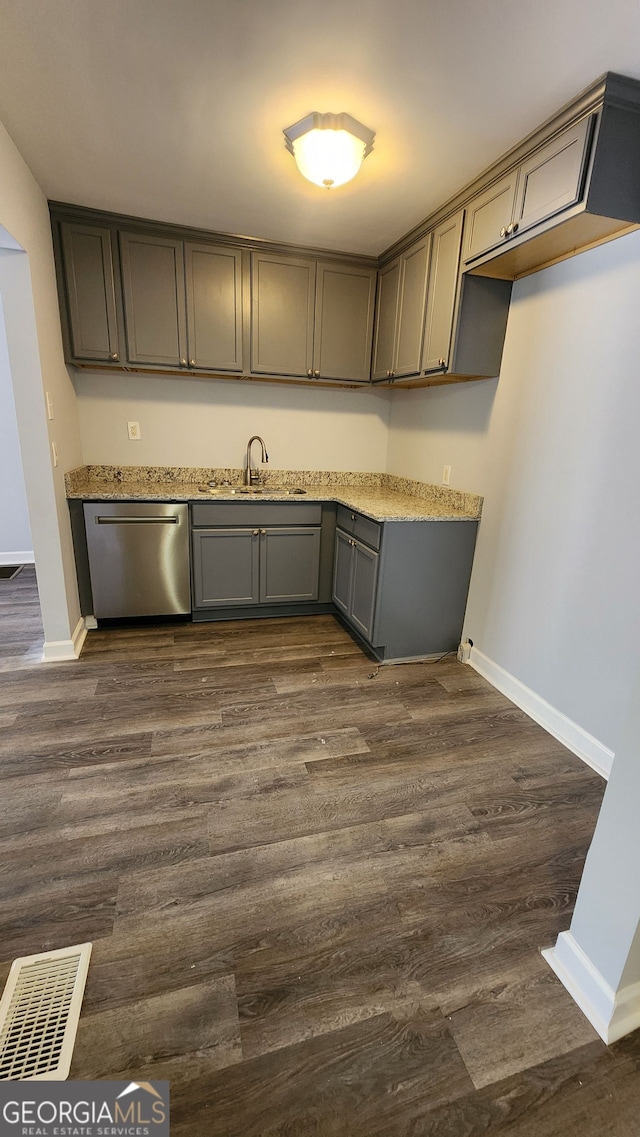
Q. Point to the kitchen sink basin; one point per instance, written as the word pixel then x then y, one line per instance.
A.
pixel 266 490
pixel 259 491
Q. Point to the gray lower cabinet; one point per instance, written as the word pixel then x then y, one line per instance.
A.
pixel 88 272
pixel 345 299
pixel 226 567
pixel 282 315
pixel 289 565
pixel 402 585
pixel 154 307
pixel 355 579
pixel 240 562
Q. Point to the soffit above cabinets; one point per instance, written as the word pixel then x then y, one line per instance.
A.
pixel 176 111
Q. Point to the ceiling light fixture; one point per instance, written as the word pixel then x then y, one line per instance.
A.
pixel 329 148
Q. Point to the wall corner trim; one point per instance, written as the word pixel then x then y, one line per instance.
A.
pixel 569 733
pixel 63 651
pixel 612 1013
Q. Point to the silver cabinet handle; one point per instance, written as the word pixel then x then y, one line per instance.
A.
pixel 353 516
pixel 183 363
pixel 192 363
pixel 263 532
pixel 503 231
pixel 309 374
pixel 442 363
pixel 256 532
pixel 114 356
pixel 137 520
pixel 317 374
pixel 512 228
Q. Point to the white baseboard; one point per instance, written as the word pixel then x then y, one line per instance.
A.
pixel 19 558
pixel 612 1013
pixel 574 737
pixel 60 651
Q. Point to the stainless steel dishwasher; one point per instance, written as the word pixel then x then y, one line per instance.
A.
pixel 138 559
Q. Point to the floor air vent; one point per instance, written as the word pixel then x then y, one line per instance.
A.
pixel 39 1013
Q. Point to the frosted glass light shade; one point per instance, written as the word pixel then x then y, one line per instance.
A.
pixel 329 148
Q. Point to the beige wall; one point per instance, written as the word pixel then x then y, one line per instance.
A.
pixel 187 422
pixel 27 286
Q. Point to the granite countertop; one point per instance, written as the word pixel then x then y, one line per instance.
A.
pixel 382 497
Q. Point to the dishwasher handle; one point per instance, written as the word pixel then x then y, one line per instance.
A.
pixel 137 520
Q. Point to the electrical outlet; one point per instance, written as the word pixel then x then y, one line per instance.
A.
pixel 49 405
pixel 133 429
pixel 446 475
pixel 54 453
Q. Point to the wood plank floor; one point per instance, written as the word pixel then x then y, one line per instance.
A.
pixel 317 889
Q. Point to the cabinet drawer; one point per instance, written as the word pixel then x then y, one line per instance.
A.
pixel 252 514
pixel 358 526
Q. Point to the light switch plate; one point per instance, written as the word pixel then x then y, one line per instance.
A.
pixel 133 430
pixel 446 475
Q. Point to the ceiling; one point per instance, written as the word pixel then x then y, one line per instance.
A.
pixel 174 109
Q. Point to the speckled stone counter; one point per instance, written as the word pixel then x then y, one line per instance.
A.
pixel 382 497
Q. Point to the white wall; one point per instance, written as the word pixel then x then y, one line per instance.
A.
pixel 554 596
pixel 16 546
pixel 442 426
pixel 190 422
pixel 32 321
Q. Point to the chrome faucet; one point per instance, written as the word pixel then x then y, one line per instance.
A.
pixel 252 476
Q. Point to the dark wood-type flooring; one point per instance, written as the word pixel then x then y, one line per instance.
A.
pixel 317 889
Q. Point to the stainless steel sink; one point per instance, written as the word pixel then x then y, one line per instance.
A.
pixel 259 491
pixel 264 491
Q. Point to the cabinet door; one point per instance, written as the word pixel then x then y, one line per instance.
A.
pixel 282 310
pixel 342 565
pixel 552 179
pixel 488 215
pixel 214 307
pixel 154 299
pixel 441 295
pixel 384 344
pixel 363 589
pixel 225 567
pixel 289 564
pixel 414 269
pixel 88 272
pixel 345 298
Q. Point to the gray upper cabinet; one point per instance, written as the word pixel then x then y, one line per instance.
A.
pixel 441 295
pixel 214 307
pixel 90 290
pixel 345 297
pixel 414 268
pixel 489 216
pixel 154 306
pixel 282 314
pixel 402 289
pixel 552 179
pixel 384 342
